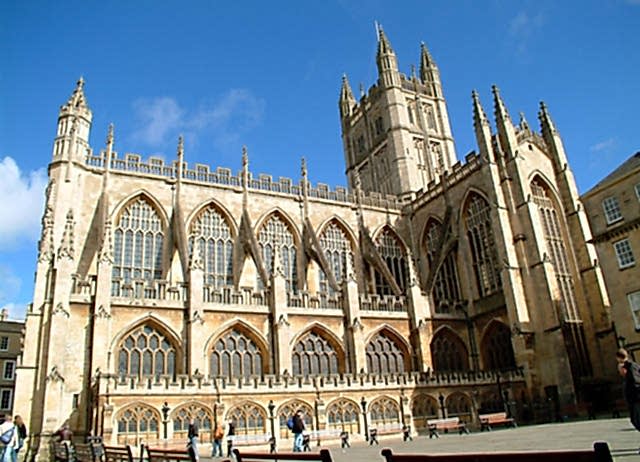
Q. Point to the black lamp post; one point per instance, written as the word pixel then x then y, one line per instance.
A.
pixel 272 408
pixel 363 403
pixel 441 399
pixel 165 418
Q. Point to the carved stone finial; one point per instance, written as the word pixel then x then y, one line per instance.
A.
pixel 61 309
pixel 106 251
pixel 283 321
pixel 54 375
pixel 45 251
pixel 103 313
pixel 196 262
pixel 66 249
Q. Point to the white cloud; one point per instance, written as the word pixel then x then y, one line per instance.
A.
pixel 161 120
pixel 21 205
pixel 603 146
pixel 523 26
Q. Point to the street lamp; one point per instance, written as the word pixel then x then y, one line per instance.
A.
pixel 165 418
pixel 363 403
pixel 271 408
pixel 441 399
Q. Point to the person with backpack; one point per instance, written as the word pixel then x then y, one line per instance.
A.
pixel 9 439
pixel 218 435
pixel 630 371
pixel 297 428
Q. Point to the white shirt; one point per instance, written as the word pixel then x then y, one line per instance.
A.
pixel 5 427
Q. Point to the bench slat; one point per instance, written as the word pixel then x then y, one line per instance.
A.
pixel 323 456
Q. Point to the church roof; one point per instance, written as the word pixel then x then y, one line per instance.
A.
pixel 628 166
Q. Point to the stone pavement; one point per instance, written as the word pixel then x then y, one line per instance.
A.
pixel 622 438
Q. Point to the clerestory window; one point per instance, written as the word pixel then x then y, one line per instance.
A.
pixel 211 235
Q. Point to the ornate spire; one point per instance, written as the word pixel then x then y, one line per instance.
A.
pixel 305 188
pixel 426 62
pixel 66 249
pixel 347 101
pixel 524 125
pixel 77 99
pixel 500 110
pixel 386 61
pixel 109 151
pixel 384 46
pixel 546 122
pixel 245 178
pixel 481 127
pixel 479 116
pixel 180 153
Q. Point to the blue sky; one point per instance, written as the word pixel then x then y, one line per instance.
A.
pixel 267 75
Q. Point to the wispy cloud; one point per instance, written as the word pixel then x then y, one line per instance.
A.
pixel 21 205
pixel 223 122
pixel 603 146
pixel 523 26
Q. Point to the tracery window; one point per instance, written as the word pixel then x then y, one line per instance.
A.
pixel 201 416
pixel 249 419
pixel 210 234
pixel 423 408
pixel 137 245
pixel 138 423
pixel 383 411
pixel 392 253
pixel 482 243
pixel 446 288
pixel 384 356
pixel 236 355
pixel 145 352
pixel 458 405
pixel 314 355
pixel 337 248
pixel 290 408
pixel 497 349
pixel 343 415
pixel 274 233
pixel 448 352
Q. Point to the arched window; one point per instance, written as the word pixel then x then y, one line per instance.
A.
pixel 384 411
pixel 393 254
pixel 201 415
pixel 210 234
pixel 384 355
pixel 145 352
pixel 236 355
pixel 290 408
pixel 276 232
pixel 337 248
pixel 423 408
pixel 314 355
pixel 482 243
pixel 137 246
pixel 496 348
pixel 343 415
pixel 138 423
pixel 448 352
pixel 249 419
pixel 446 288
pixel 459 405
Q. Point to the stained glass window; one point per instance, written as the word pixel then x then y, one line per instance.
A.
pixel 236 355
pixel 448 352
pixel 146 352
pixel 314 355
pixel 276 232
pixel 384 355
pixel 211 235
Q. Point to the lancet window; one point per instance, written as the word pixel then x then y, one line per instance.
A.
pixel 343 415
pixel 483 249
pixel 146 352
pixel 210 235
pixel 393 254
pixel 200 415
pixel 448 352
pixel 314 355
pixel 236 355
pixel 497 349
pixel 249 419
pixel 384 356
pixel 384 411
pixel 337 248
pixel 446 288
pixel 138 423
pixel 274 233
pixel 137 246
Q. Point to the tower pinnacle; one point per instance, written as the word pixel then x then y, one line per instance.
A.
pixel 387 61
pixel 347 101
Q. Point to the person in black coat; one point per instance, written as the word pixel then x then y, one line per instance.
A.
pixel 630 371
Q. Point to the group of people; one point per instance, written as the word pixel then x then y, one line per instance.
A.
pixel 13 432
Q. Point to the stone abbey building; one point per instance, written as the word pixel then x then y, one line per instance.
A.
pixel 430 287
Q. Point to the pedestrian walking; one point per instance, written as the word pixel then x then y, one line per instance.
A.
pixel 218 435
pixel 192 444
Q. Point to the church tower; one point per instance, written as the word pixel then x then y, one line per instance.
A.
pixel 397 138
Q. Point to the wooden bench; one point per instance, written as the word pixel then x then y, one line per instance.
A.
pixel 385 429
pixel 599 453
pixel 497 418
pixel 323 456
pixel 87 452
pixel 118 453
pixel 61 451
pixel 452 423
pixel 319 435
pixel 165 455
pixel 251 440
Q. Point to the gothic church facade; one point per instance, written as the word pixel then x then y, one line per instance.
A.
pixel 428 288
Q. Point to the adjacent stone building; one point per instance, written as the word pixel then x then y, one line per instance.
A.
pixel 613 208
pixel 430 287
pixel 11 339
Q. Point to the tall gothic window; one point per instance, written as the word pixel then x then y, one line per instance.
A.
pixel 314 355
pixel 290 408
pixel 200 415
pixel 337 248
pixel 236 355
pixel 274 233
pixel 423 408
pixel 384 356
pixel 138 423
pixel 556 248
pixel 249 419
pixel 384 411
pixel 496 348
pixel 343 415
pixel 210 234
pixel 446 289
pixel 482 243
pixel 448 352
pixel 145 352
pixel 137 245
pixel 392 253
